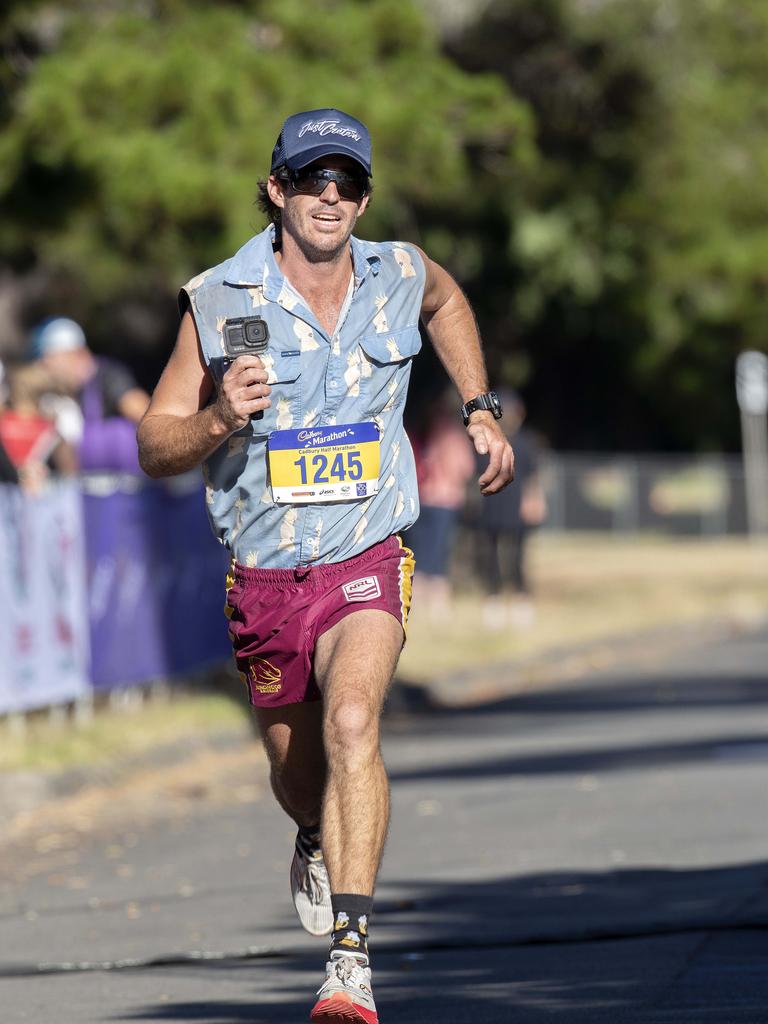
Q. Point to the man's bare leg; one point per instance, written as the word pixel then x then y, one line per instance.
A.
pixel 293 740
pixel 354 663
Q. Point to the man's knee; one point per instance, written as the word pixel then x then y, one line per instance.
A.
pixel 351 729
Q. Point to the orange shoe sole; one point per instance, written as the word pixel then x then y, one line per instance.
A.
pixel 340 1009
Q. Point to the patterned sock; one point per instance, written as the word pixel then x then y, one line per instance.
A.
pixel 351 914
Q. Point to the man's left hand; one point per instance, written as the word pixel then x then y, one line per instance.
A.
pixel 488 439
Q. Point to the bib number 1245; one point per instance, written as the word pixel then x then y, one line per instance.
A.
pixel 315 469
pixel 337 462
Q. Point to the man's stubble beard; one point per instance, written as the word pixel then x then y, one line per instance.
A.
pixel 313 253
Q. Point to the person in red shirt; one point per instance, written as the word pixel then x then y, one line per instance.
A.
pixel 504 526
pixel 445 462
pixel 8 472
pixel 30 439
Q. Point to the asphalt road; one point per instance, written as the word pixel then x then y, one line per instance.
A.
pixel 593 851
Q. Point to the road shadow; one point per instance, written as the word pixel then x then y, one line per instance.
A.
pixel 601 698
pixel 578 946
pixel 623 757
pixel 610 694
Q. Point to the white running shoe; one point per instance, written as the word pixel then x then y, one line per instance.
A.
pixel 346 996
pixel 311 889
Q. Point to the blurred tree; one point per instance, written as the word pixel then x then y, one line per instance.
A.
pixel 700 208
pixel 639 250
pixel 590 170
pixel 136 131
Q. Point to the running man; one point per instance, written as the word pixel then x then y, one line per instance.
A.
pixel 310 483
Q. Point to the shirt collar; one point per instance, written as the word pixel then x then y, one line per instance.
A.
pixel 254 265
pixel 364 258
pixel 247 268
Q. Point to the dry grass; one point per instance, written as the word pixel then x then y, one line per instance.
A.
pixel 592 587
pixel 43 840
pixel 129 731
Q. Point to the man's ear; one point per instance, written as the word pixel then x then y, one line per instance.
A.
pixel 363 206
pixel 276 191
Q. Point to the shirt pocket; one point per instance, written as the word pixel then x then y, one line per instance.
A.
pixel 385 368
pixel 282 366
pixel 392 347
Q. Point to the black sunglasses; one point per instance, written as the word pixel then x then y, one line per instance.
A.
pixel 313 182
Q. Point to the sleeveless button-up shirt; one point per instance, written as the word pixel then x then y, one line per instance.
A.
pixel 358 373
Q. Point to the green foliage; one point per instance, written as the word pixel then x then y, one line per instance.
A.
pixel 641 245
pixel 590 170
pixel 148 135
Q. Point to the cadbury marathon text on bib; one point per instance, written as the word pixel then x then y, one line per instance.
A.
pixel 338 463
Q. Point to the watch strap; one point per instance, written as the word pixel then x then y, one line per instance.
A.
pixel 488 401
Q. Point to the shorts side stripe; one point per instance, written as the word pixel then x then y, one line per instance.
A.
pixel 228 583
pixel 407 566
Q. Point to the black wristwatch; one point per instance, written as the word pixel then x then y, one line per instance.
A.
pixel 489 401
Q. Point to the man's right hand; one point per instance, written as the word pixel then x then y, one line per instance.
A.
pixel 244 391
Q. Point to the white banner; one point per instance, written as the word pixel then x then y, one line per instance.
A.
pixel 44 638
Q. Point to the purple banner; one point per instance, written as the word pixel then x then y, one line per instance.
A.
pixel 155 580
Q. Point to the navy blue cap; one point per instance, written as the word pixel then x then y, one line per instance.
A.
pixel 312 134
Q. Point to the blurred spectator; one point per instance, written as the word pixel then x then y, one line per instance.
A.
pixel 110 403
pixel 31 441
pixel 8 472
pixel 504 523
pixel 444 463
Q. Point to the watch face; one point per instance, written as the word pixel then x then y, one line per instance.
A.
pixel 495 404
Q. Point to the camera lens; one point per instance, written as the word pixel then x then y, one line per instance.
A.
pixel 255 334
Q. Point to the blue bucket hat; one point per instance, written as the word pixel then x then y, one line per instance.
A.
pixel 311 134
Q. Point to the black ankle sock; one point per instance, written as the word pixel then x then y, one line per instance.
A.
pixel 351 914
pixel 308 838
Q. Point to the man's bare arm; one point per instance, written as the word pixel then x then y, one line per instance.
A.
pixel 452 329
pixel 179 429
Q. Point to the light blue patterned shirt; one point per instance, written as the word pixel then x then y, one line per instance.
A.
pixel 359 373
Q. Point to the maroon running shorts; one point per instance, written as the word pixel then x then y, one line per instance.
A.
pixel 276 615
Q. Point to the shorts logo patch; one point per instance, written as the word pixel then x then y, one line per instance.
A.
pixel 362 590
pixel 263 675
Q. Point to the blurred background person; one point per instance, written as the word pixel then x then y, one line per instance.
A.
pixel 109 402
pixel 8 472
pixel 445 462
pixel 30 439
pixel 503 526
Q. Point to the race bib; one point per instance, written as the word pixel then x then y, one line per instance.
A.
pixel 339 463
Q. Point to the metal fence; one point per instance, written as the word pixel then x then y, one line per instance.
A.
pixel 680 495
